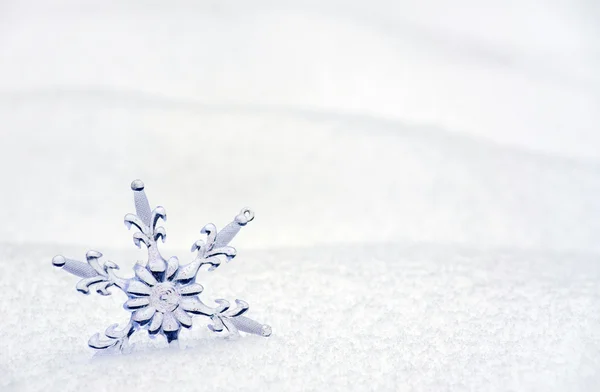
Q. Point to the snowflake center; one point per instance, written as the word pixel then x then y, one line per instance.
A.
pixel 165 297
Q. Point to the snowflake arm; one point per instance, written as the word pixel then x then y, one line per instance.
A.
pixel 101 276
pixel 145 221
pixel 216 246
pixel 115 338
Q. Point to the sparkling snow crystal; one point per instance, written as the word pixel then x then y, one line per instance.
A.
pixel 163 296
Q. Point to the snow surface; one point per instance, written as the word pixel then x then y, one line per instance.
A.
pixel 425 180
pixel 393 317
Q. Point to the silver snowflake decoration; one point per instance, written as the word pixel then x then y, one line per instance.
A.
pixel 163 296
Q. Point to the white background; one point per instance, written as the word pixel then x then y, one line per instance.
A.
pixel 365 135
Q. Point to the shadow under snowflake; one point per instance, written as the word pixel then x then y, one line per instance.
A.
pixel 163 296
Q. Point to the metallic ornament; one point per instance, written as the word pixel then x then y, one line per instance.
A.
pixel 163 296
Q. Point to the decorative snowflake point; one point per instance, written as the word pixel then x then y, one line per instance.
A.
pixel 163 296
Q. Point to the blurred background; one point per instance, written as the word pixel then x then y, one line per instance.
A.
pixel 337 121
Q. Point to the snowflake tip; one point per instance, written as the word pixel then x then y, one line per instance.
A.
pixel 245 216
pixel 266 330
pixel 137 185
pixel 58 261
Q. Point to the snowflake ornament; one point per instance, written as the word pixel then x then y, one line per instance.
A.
pixel 163 296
